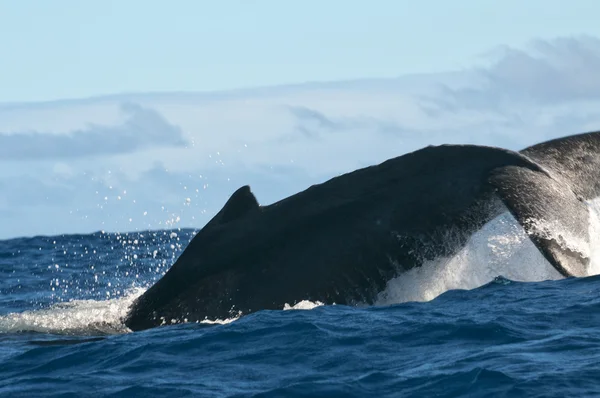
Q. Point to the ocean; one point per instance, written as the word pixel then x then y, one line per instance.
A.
pixel 495 320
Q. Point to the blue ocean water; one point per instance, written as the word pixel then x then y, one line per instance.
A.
pixel 61 299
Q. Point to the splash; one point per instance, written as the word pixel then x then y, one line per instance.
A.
pixel 219 321
pixel 303 305
pixel 77 317
pixel 500 248
pixel 556 231
pixel 594 233
pixel 177 321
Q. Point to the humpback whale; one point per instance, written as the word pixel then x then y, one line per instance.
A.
pixel 341 241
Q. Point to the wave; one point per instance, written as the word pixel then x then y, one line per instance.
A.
pixel 500 248
pixel 76 317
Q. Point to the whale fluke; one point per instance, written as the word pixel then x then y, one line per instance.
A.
pixel 341 241
pixel 555 219
pixel 552 208
pixel 574 159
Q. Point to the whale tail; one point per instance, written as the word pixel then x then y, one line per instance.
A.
pixel 551 204
pixel 551 214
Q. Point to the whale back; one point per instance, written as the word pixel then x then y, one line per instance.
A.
pixel 339 241
pixel 342 240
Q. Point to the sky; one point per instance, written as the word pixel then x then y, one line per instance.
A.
pixel 130 115
pixel 70 48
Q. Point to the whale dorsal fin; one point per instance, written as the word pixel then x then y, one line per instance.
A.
pixel 239 204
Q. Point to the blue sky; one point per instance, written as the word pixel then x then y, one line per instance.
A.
pixel 71 48
pixel 507 73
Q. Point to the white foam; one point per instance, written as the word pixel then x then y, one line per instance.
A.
pixel 594 233
pixel 77 317
pixel 500 248
pixel 556 230
pixel 303 305
pixel 219 321
pixel 178 321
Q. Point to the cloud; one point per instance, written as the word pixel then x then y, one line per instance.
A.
pixel 310 120
pixel 142 128
pixel 312 123
pixel 547 72
pixel 279 142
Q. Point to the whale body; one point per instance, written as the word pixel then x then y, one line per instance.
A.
pixel 341 241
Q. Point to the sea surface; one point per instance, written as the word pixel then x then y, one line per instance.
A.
pixel 492 321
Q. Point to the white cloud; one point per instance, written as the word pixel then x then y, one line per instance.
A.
pixel 108 167
pixel 141 129
pixel 547 72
